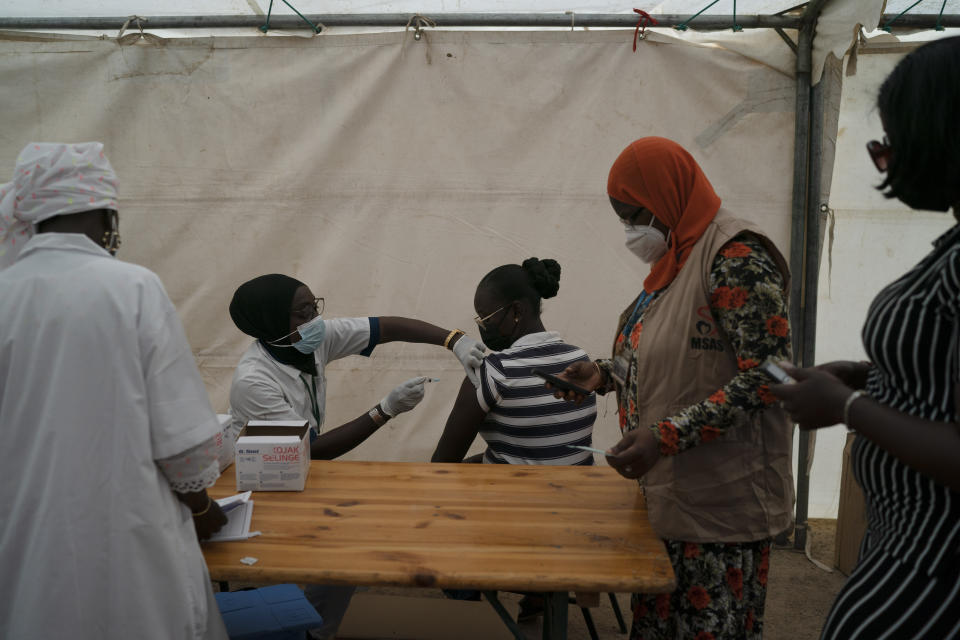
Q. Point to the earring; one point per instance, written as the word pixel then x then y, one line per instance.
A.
pixel 111 241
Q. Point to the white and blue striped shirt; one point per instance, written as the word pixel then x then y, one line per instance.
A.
pixel 525 424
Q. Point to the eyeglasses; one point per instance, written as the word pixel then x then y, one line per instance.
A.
pixel 315 307
pixel 635 218
pixel 481 321
pixel 880 153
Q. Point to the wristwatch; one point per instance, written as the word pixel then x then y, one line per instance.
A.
pixel 378 416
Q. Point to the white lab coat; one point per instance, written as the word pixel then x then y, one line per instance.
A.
pixel 96 383
pixel 264 389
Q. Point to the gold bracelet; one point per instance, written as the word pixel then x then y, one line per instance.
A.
pixel 197 514
pixel 450 336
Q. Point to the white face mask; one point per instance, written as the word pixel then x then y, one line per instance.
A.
pixel 646 242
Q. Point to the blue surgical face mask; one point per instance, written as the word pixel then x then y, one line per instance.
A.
pixel 311 336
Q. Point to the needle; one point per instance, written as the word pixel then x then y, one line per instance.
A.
pixel 591 449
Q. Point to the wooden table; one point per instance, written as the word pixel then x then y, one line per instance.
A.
pixel 460 526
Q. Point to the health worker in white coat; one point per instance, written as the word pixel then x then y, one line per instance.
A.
pixel 105 420
pixel 281 375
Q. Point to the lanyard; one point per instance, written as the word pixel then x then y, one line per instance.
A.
pixel 638 310
pixel 313 399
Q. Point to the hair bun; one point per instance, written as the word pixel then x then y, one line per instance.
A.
pixel 544 275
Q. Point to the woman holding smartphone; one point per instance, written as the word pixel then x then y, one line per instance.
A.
pixel 903 402
pixel 695 411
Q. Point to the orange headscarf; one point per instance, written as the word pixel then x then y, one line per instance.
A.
pixel 662 176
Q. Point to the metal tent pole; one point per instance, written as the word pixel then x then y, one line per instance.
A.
pixel 702 23
pixel 920 20
pixel 805 236
pixel 801 155
pixel 539 20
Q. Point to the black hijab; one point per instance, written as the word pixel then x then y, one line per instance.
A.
pixel 261 309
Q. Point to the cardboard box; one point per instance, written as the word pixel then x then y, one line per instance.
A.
pixel 851 516
pixel 273 455
pixel 417 618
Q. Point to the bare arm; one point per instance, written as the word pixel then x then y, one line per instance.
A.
pixel 396 329
pixel 467 350
pixel 930 447
pixel 207 516
pixel 336 442
pixel 462 426
pixel 189 473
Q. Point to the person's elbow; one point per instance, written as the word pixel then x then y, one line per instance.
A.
pixel 320 452
pixel 444 454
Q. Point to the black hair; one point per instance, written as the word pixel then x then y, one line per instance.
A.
pixel 534 280
pixel 95 215
pixel 919 104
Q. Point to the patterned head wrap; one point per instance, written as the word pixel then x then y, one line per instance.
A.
pixel 52 179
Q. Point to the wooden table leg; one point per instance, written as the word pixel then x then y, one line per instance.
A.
pixel 556 604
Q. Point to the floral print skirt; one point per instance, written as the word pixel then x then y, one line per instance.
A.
pixel 720 594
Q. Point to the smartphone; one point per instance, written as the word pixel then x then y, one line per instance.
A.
pixel 560 383
pixel 776 372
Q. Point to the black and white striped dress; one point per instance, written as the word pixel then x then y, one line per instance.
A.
pixel 907 581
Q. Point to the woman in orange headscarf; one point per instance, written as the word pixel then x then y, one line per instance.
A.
pixel 699 425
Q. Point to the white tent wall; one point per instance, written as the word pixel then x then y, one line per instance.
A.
pixel 390 175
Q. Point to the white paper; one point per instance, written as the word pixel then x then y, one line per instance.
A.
pixel 230 500
pixel 238 518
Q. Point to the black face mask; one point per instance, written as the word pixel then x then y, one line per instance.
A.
pixel 494 341
pixel 491 336
pixel 916 199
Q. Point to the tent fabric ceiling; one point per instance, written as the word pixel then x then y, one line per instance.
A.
pixel 836 31
pixel 78 8
pixel 245 7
